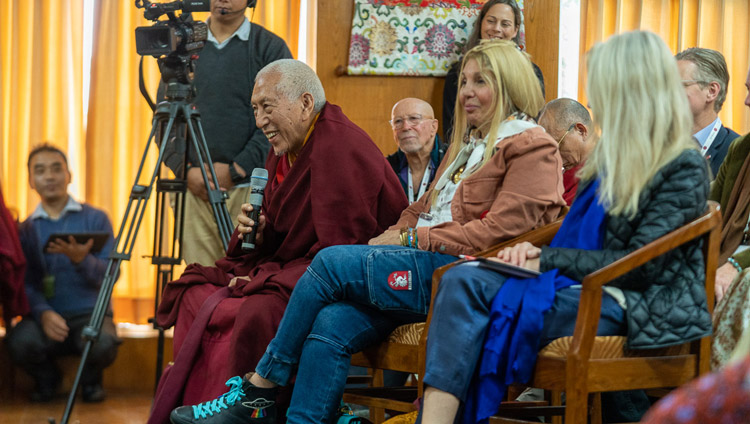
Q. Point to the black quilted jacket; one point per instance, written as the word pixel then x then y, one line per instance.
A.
pixel 666 300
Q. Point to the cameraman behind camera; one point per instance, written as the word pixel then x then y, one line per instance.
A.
pixel 224 77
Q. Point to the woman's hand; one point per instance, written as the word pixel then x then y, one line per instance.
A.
pixel 522 254
pixel 389 237
pixel 245 224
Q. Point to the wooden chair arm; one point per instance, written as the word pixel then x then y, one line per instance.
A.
pixel 656 248
pixel 589 310
pixel 538 237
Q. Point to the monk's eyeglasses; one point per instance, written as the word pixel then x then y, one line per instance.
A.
pixel 572 127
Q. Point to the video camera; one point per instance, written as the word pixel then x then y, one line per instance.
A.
pixel 174 41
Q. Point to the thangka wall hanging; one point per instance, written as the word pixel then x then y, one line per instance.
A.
pixel 410 37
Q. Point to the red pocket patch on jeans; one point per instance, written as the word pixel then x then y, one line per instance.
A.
pixel 400 280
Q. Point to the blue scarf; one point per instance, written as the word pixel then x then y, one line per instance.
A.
pixel 517 312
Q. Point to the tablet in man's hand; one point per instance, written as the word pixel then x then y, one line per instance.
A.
pixel 100 239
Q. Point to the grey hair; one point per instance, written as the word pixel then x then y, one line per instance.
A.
pixel 296 79
pixel 710 66
pixel 567 112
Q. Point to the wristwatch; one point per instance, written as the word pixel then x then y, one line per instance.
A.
pixel 236 177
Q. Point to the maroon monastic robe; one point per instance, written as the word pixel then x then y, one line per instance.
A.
pixel 340 190
pixel 570 183
pixel 12 267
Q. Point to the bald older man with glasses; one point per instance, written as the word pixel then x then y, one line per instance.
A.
pixel 419 149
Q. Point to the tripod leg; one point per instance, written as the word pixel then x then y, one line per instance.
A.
pixel 122 249
pixel 215 196
pixel 165 254
pixel 76 382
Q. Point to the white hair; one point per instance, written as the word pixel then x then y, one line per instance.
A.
pixel 296 79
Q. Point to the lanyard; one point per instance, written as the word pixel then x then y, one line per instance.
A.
pixel 422 186
pixel 711 137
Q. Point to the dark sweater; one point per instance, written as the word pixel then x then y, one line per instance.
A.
pixel 224 80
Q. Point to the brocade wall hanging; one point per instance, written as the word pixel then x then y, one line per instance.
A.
pixel 410 37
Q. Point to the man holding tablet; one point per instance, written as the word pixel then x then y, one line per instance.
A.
pixel 66 244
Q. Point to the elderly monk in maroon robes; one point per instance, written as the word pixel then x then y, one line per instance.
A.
pixel 329 184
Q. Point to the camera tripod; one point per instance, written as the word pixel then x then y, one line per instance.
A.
pixel 176 110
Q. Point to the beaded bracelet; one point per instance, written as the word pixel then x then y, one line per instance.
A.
pixel 735 264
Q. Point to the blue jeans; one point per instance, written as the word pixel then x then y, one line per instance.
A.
pixel 461 315
pixel 349 298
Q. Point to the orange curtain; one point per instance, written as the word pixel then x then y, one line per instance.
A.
pixel 119 123
pixel 722 25
pixel 40 91
pixel 282 18
pixel 278 16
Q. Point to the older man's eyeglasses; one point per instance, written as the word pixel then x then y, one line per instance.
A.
pixel 413 120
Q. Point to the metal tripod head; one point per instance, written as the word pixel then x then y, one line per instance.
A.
pixel 179 92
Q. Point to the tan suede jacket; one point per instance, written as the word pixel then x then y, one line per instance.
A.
pixel 519 189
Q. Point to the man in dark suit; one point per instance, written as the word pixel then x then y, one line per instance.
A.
pixel 705 78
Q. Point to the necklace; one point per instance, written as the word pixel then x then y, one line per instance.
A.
pixel 456 175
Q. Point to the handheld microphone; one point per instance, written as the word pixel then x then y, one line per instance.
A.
pixel 258 181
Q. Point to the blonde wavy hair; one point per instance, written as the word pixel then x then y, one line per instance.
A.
pixel 641 116
pixel 514 85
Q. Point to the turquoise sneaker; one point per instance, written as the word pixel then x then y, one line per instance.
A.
pixel 243 403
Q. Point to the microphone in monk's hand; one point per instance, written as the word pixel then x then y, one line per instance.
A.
pixel 258 181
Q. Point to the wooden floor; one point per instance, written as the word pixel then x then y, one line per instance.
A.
pixel 120 407
pixel 129 383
